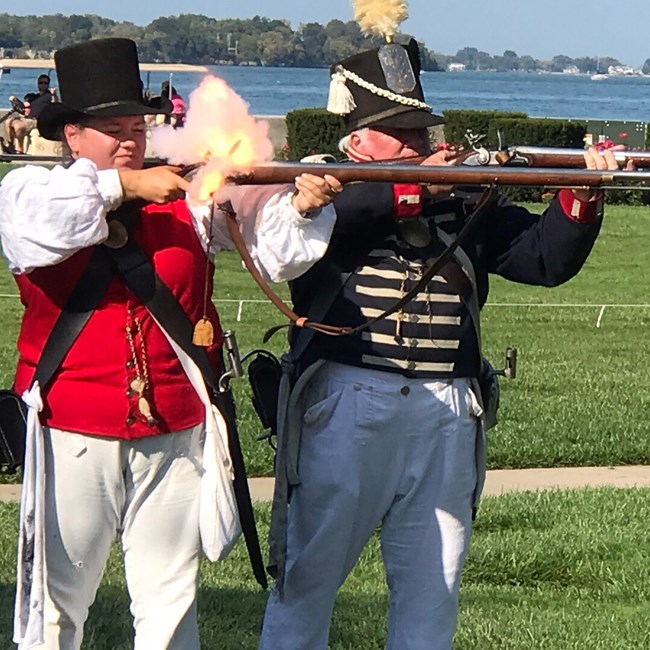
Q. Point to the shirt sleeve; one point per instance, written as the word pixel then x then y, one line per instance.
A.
pixel 47 215
pixel 282 243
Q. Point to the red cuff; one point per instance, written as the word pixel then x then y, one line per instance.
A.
pixel 407 203
pixel 581 211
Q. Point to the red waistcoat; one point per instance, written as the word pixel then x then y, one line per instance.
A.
pixel 91 391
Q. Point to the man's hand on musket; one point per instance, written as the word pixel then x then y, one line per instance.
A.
pixel 313 192
pixel 440 158
pixel 156 184
pixel 630 164
pixel 598 160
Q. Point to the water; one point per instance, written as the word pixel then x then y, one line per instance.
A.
pixel 275 91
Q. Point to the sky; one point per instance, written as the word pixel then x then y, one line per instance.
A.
pixel 540 29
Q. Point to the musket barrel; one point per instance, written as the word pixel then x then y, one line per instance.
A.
pixel 280 173
pixel 571 157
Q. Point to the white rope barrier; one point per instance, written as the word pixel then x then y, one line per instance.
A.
pixel 547 305
pixel 574 305
pixel 582 305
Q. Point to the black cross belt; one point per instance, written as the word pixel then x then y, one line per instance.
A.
pixel 131 263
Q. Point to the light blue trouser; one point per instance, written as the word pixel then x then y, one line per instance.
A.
pixel 379 448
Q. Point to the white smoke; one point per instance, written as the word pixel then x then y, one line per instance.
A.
pixel 218 129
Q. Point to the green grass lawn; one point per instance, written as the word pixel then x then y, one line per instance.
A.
pixel 550 571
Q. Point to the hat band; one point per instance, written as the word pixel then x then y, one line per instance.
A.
pixel 383 92
pixel 376 117
pixel 97 107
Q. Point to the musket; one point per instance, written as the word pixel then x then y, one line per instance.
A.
pixel 282 172
pixel 476 153
pixel 223 399
pixel 528 156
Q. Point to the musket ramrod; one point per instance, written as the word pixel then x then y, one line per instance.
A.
pixel 282 172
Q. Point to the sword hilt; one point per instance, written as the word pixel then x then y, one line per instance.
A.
pixel 233 360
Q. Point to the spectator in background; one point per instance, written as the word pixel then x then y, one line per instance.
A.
pixel 19 127
pixel 177 117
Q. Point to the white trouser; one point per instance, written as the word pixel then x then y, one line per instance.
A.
pixel 147 491
pixel 379 448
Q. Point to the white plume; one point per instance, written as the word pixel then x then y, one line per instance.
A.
pixel 380 17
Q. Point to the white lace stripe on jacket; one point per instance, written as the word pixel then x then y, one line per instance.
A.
pixel 48 215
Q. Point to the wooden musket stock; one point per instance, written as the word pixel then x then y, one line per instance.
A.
pixel 448 175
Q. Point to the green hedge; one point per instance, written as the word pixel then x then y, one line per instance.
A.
pixel 313 130
pixel 478 122
pixel 542 132
pixel 631 197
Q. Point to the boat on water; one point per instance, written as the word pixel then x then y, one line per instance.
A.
pixel 599 76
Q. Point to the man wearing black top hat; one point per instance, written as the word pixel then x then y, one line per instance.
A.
pixel 115 433
pixel 385 428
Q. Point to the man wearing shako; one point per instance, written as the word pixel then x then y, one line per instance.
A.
pixel 385 427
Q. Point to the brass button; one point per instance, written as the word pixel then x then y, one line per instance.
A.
pixel 130 420
pixel 405 390
pixel 129 364
pixel 130 392
pixel 411 365
pixel 118 235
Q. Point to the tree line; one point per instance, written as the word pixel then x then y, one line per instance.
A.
pixel 192 38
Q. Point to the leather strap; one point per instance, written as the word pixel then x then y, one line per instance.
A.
pixel 300 321
pixel 76 312
pixel 486 198
pixel 133 265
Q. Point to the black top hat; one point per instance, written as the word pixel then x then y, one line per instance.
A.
pixel 381 87
pixel 97 78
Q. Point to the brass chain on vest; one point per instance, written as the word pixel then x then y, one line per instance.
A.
pixel 141 383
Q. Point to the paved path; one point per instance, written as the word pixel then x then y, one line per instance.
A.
pixel 498 481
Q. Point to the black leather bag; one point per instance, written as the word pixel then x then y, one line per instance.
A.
pixel 490 392
pixel 13 425
pixel 264 373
